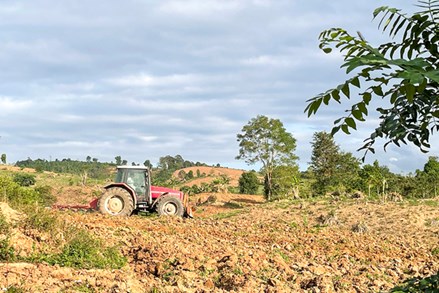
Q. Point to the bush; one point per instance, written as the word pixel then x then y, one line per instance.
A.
pixel 7 252
pixel 4 225
pixel 285 182
pixel 24 179
pixel 248 183
pixel 18 196
pixel 85 251
pixel 46 197
pixel 40 219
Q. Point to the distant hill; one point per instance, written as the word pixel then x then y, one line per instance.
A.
pixel 208 174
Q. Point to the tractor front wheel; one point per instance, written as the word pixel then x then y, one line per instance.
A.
pixel 170 205
pixel 116 201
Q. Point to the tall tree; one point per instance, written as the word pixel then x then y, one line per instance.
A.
pixel 3 158
pixel 118 160
pixel 332 168
pixel 324 158
pixel 404 73
pixel 431 170
pixel 266 141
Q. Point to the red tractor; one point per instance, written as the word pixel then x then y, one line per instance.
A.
pixel 132 191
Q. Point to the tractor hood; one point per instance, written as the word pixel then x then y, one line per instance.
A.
pixel 157 191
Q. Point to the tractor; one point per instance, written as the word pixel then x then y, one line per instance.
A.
pixel 132 192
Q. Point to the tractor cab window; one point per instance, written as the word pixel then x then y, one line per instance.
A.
pixel 136 180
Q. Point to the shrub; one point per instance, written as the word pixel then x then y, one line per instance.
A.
pixel 4 225
pixel 7 252
pixel 40 219
pixel 18 196
pixel 46 197
pixel 248 183
pixel 85 251
pixel 24 179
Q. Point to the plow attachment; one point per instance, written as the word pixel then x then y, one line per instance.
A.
pixel 92 206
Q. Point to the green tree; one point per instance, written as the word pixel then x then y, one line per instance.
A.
pixel 248 183
pixel 190 175
pixel 323 163
pixel 266 141
pixel 348 169
pixel 3 158
pixel 286 181
pixel 88 159
pixel 147 164
pixel 377 179
pixel 333 169
pixel 118 160
pixel 404 73
pixel 431 171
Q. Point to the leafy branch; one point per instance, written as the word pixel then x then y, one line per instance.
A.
pixel 405 74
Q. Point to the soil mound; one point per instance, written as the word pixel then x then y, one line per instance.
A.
pixel 10 214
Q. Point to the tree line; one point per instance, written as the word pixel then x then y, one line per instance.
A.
pixel 92 168
pixel 331 171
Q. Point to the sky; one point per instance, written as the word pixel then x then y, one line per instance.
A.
pixel 145 79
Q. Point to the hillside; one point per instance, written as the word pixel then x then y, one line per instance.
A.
pixel 235 243
pixel 209 174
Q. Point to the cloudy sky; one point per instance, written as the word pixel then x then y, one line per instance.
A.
pixel 144 79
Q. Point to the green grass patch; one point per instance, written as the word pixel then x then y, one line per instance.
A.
pixel 14 289
pixel 40 219
pixel 232 205
pixel 85 251
pixel 425 202
pixel 7 252
pixel 429 284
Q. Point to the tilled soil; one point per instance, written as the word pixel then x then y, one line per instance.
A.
pixel 240 244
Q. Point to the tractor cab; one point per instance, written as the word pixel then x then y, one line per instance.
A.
pixel 136 177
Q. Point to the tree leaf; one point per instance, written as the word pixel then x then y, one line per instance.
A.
pixel 326 99
pixel 410 92
pixel 345 129
pixel 351 123
pixel 378 90
pixel 357 115
pixel 367 97
pixel 336 95
pixel 362 107
pixel 356 82
pixel 335 130
pixel 345 90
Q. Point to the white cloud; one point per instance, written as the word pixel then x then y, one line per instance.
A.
pixel 147 80
pixel 275 61
pixel 195 8
pixel 9 105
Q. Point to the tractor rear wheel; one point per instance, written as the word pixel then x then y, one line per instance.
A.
pixel 170 206
pixel 116 201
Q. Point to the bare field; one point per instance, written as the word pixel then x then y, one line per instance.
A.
pixel 239 243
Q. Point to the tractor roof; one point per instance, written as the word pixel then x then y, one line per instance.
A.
pixel 132 167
